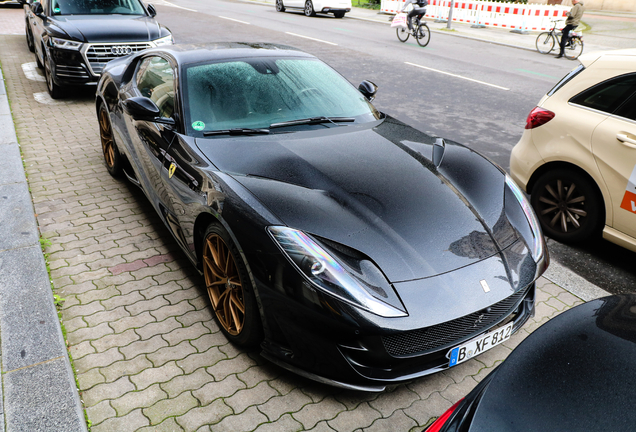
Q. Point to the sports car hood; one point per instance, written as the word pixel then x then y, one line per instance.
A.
pixel 374 188
pixel 110 28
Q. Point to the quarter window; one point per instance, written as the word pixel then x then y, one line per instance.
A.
pixel 609 95
pixel 155 80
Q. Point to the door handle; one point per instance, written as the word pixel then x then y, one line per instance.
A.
pixel 626 140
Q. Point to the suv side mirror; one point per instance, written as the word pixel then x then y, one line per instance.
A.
pixel 368 89
pixel 144 109
pixel 151 10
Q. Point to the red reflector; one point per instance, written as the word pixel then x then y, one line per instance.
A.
pixel 537 117
pixel 439 423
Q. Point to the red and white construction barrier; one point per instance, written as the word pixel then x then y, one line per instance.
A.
pixel 514 16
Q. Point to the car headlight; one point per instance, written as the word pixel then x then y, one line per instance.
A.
pixel 358 283
pixel 538 251
pixel 168 40
pixel 66 44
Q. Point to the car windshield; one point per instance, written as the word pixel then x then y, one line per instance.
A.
pixel 97 7
pixel 259 92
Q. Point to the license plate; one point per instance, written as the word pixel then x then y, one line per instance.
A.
pixel 477 346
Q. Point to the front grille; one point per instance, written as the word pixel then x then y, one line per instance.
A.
pixel 98 55
pixel 453 332
pixel 71 72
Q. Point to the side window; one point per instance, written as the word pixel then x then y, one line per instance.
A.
pixel 155 80
pixel 608 95
pixel 628 109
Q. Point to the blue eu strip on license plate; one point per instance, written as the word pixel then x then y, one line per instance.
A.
pixel 477 346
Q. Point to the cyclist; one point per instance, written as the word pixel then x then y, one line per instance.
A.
pixel 419 8
pixel 574 18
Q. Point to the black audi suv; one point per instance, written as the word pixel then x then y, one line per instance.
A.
pixel 74 39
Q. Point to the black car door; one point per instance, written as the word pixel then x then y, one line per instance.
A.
pixel 36 24
pixel 164 155
pixel 154 79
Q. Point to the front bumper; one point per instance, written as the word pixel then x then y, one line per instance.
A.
pixel 371 361
pixel 84 66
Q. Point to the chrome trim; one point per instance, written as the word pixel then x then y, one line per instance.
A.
pixel 96 55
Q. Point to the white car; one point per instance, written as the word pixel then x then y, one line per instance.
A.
pixel 577 156
pixel 311 7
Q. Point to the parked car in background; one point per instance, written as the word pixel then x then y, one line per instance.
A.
pixel 577 155
pixel 574 373
pixel 350 247
pixel 311 7
pixel 74 39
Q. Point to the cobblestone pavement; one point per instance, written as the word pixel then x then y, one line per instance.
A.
pixel 147 353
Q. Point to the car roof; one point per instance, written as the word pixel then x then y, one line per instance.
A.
pixel 197 53
pixel 620 59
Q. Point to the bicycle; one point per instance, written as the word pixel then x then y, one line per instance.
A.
pixel 420 32
pixel 546 42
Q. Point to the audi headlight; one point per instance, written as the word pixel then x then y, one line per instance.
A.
pixel 168 40
pixel 66 44
pixel 356 281
pixel 538 245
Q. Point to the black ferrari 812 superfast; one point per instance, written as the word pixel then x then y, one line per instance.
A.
pixel 348 246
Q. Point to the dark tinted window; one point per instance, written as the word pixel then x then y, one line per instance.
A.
pixel 97 7
pixel 155 80
pixel 628 109
pixel 608 95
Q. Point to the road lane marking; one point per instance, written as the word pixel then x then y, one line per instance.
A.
pixel 537 73
pixel 165 3
pixel 457 76
pixel 30 71
pixel 313 39
pixel 232 19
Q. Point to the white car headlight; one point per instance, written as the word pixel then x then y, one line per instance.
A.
pixel 168 40
pixel 538 251
pixel 66 44
pixel 329 275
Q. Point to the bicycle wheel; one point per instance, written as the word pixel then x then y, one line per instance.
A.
pixel 545 42
pixel 423 34
pixel 403 33
pixel 574 49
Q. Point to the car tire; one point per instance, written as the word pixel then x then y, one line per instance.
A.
pixel 55 90
pixel 112 158
pixel 230 289
pixel 568 204
pixel 29 39
pixel 339 14
pixel 309 9
pixel 280 7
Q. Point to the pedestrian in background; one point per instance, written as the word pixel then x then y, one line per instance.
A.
pixel 574 18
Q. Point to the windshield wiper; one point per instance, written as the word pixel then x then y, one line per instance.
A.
pixel 236 131
pixel 312 120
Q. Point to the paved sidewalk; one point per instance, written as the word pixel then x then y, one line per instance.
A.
pixel 147 353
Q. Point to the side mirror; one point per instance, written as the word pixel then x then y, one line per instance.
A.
pixel 38 10
pixel 144 109
pixel 368 89
pixel 151 10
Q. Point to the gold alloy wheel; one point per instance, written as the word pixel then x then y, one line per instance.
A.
pixel 224 284
pixel 106 135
